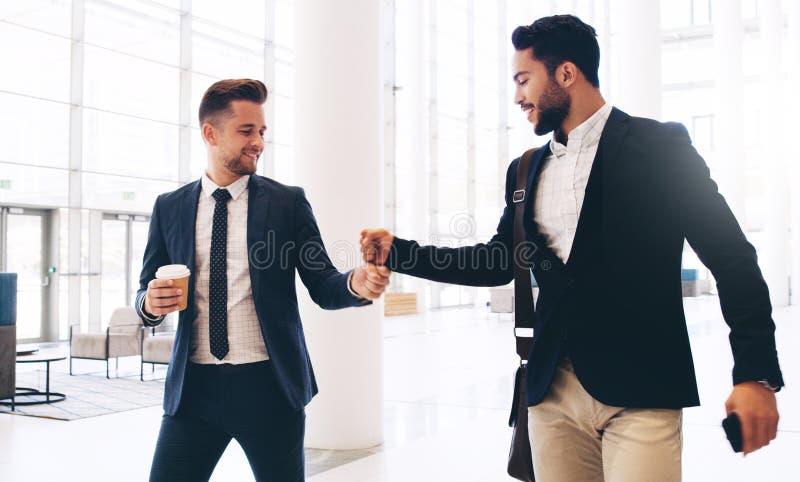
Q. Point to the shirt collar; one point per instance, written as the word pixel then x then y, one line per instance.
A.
pixel 586 134
pixel 235 189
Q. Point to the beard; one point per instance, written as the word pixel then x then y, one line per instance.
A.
pixel 553 107
pixel 239 167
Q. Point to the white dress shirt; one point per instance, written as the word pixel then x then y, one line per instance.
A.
pixel 562 183
pixel 245 341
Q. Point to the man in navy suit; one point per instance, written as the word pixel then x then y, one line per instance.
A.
pixel 239 367
pixel 609 202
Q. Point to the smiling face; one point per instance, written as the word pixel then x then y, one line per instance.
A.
pixel 544 101
pixel 235 141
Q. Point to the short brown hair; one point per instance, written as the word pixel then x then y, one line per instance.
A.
pixel 218 97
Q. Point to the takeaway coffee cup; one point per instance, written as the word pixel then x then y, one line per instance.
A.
pixel 179 274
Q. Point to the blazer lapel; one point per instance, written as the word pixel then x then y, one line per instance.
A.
pixel 589 219
pixel 188 220
pixel 257 213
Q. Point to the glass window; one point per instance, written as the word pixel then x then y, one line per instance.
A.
pixel 749 9
pixel 703 132
pixel 676 14
pixel 284 24
pixel 35 186
pixel 139 229
pixel 117 193
pixel 125 84
pixel 34 131
pixel 283 130
pixel 452 159
pixel 200 83
pixel 119 144
pixel 53 16
pixel 247 16
pixel 41 69
pixel 134 27
pixel 452 130
pixel 225 54
pixel 25 252
pixel 485 24
pixel 701 12
pixel 114 242
pixel 285 164
pixel 687 62
pixel 199 159
pixel 284 79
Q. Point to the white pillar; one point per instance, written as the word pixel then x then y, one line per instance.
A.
pixel 75 216
pixel 417 131
pixel 435 298
pixel 794 50
pixel 729 92
pixel 638 48
pixel 775 252
pixel 339 163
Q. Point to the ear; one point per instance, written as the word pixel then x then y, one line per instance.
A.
pixel 567 74
pixel 209 133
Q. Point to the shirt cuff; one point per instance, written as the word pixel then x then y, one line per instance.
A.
pixel 350 288
pixel 147 315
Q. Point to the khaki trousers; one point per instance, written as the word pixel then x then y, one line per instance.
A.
pixel 576 438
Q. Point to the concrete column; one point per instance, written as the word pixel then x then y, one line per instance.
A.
pixel 775 252
pixel 75 163
pixel 417 107
pixel 185 114
pixel 435 299
pixel 794 253
pixel 729 91
pixel 638 48
pixel 268 156
pixel 339 115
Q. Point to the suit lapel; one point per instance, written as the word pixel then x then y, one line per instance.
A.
pixel 590 217
pixel 186 233
pixel 257 213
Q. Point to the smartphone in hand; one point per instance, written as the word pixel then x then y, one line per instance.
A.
pixel 733 430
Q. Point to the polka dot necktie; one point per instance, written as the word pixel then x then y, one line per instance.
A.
pixel 218 281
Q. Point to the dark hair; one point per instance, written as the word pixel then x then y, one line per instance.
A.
pixel 218 97
pixel 559 39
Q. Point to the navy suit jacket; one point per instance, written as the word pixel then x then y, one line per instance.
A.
pixel 282 237
pixel 615 307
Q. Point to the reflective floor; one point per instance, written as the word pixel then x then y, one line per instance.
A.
pixel 448 377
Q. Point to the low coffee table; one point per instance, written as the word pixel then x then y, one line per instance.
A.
pixel 47 395
pixel 28 349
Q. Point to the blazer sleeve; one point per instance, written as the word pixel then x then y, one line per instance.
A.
pixel 483 264
pixel 326 285
pixel 155 255
pixel 713 232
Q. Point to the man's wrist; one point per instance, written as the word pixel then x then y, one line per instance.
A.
pixel 146 314
pixel 350 288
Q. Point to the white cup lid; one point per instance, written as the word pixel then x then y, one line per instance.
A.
pixel 172 271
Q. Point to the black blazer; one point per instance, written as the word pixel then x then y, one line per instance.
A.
pixel 615 307
pixel 282 239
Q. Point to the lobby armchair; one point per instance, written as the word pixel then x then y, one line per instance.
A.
pixel 156 348
pixel 121 338
pixel 8 336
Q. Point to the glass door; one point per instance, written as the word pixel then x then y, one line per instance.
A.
pixel 23 252
pixel 123 237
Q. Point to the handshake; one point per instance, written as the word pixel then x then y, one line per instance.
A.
pixel 165 295
pixel 370 281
